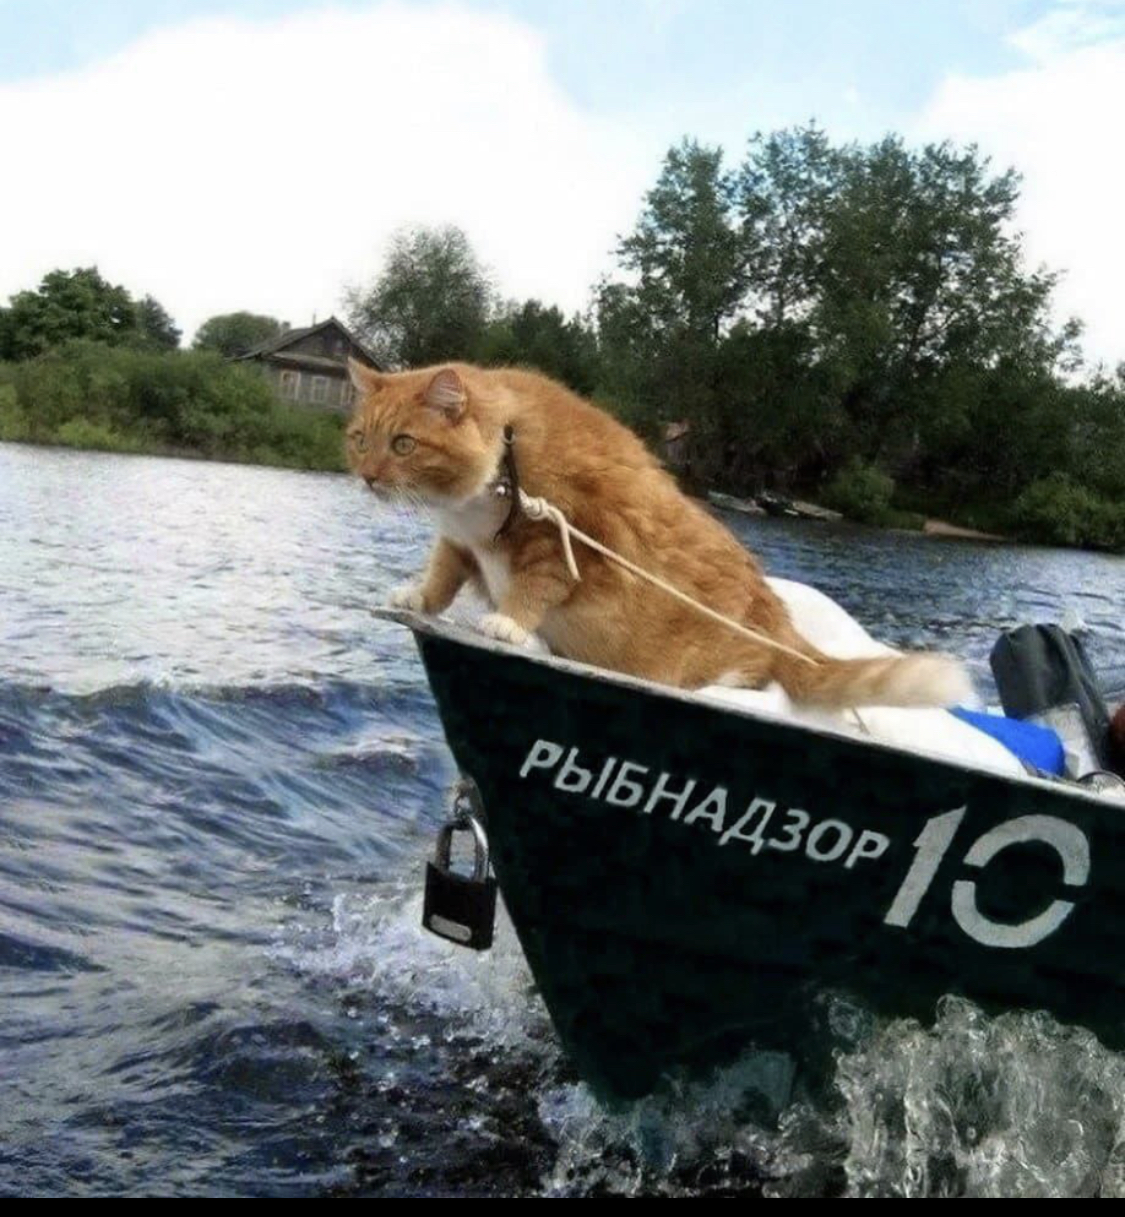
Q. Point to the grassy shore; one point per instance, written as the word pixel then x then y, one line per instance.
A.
pixel 180 404
pixel 132 446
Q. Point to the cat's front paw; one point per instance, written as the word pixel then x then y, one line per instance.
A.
pixel 408 596
pixel 504 629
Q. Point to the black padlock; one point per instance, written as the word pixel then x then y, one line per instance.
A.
pixel 460 908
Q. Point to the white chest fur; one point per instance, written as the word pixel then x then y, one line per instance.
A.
pixel 473 525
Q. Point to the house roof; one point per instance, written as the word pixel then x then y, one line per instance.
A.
pixel 674 431
pixel 299 359
pixel 277 344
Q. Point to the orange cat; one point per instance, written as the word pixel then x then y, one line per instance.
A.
pixel 437 436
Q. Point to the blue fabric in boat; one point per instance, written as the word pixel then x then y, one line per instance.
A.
pixel 1034 745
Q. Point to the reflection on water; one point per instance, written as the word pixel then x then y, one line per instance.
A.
pixel 217 778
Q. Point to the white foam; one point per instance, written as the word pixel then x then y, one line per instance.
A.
pixel 376 943
pixel 1015 1105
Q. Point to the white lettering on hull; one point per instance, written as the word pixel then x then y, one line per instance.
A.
pixel 762 825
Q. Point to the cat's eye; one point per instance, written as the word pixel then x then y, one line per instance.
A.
pixel 358 440
pixel 402 445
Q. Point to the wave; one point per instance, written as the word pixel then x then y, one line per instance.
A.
pixel 281 693
pixel 970 1106
pixel 25 955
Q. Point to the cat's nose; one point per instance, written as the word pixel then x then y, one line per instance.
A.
pixel 371 483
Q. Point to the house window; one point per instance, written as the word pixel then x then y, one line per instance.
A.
pixel 291 385
pixel 320 389
pixel 346 392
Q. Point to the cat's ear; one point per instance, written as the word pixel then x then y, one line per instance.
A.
pixel 364 378
pixel 446 394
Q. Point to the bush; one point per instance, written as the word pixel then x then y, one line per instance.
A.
pixel 125 399
pixel 907 521
pixel 13 424
pixel 303 439
pixel 862 492
pixel 82 433
pixel 1057 511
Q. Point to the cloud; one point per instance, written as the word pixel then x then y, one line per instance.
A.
pixel 1058 121
pixel 1070 27
pixel 224 164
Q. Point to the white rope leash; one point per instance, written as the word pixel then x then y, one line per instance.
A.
pixel 541 509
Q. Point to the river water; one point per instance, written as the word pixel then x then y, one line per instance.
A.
pixel 219 777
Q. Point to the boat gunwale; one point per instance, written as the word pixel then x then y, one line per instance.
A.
pixel 454 632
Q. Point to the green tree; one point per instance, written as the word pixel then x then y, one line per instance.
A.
pixel 66 305
pixel 431 302
pixel 532 335
pixel 686 251
pixel 785 193
pixel 923 278
pixel 235 333
pixel 661 330
pixel 826 305
pixel 157 329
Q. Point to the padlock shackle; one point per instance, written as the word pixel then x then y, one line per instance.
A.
pixel 464 822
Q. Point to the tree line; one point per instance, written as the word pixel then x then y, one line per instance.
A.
pixel 851 322
pixel 857 323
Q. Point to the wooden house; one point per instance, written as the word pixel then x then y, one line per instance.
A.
pixel 309 366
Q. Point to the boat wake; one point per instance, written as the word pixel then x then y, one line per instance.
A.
pixel 1015 1105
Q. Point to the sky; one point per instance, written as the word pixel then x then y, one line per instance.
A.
pixel 245 154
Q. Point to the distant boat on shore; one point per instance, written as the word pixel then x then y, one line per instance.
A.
pixel 767 503
pixel 728 502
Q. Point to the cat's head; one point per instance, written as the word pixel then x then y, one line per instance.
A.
pixel 420 435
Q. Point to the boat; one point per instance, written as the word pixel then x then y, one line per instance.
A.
pixel 687 879
pixel 730 502
pixel 767 503
pixel 777 505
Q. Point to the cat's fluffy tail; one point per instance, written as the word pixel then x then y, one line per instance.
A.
pixel 893 680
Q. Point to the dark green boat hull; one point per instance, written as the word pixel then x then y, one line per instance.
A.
pixel 658 946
